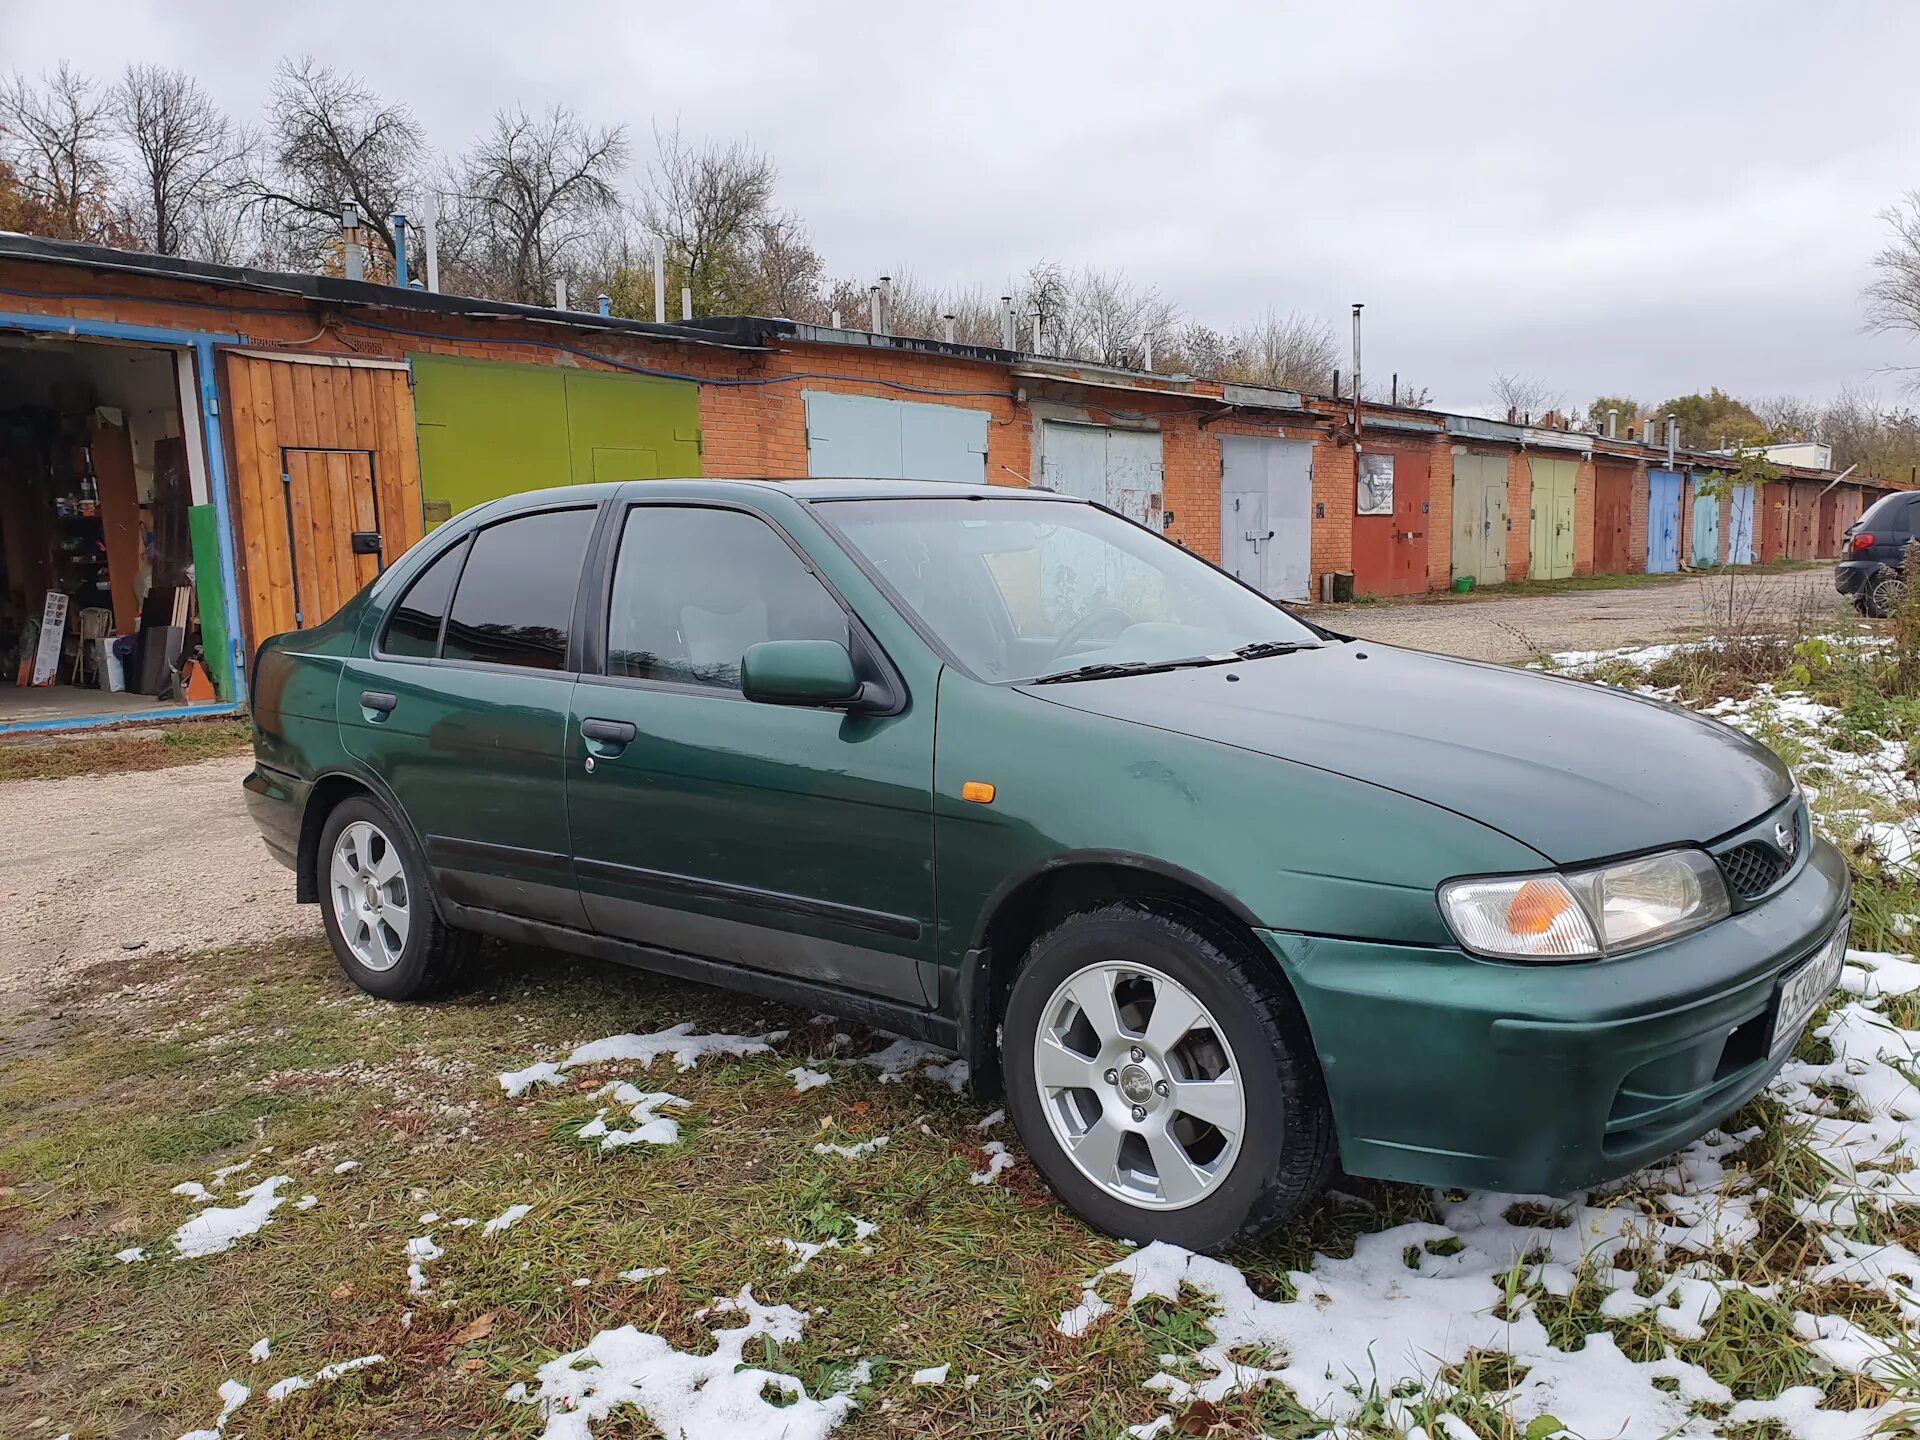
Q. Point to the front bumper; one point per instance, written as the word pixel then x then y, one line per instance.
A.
pixel 1448 1070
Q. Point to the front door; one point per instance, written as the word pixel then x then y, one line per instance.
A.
pixel 1480 517
pixel 779 837
pixel 1266 509
pixel 1551 553
pixel 461 708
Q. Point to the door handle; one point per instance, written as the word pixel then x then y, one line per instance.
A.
pixel 378 702
pixel 616 735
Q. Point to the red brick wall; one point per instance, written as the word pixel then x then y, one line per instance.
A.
pixel 1520 512
pixel 1583 482
pixel 1637 508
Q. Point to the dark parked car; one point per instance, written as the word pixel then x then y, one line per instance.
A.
pixel 1221 899
pixel 1874 550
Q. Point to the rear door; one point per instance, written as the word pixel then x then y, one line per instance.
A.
pixel 784 838
pixel 461 708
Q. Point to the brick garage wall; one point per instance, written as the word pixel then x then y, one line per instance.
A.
pixel 1637 507
pixel 1439 516
pixel 1584 479
pixel 1190 453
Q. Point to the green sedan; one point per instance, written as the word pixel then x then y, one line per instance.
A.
pixel 1218 899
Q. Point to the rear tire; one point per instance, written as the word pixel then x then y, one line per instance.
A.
pixel 380 910
pixel 1883 595
pixel 1097 1089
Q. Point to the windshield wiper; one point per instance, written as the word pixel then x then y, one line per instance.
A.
pixel 1260 649
pixel 1107 669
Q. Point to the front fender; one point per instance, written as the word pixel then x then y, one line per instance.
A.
pixel 1285 846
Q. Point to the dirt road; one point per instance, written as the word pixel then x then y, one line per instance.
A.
pixel 158 860
pixel 1513 629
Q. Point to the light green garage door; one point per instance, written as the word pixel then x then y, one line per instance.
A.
pixel 489 429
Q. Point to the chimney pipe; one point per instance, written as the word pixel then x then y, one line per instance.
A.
pixel 1336 384
pixel 659 280
pixel 686 302
pixel 949 320
pixel 1613 422
pixel 352 258
pixel 1039 324
pixel 606 303
pixel 1357 308
pixel 1673 439
pixel 433 247
pixel 1008 340
pixel 886 305
pixel 1146 342
pixel 400 250
pixel 834 319
pixel 873 309
pixel 559 292
pixel 1394 393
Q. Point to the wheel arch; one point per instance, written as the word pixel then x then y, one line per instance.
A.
pixel 326 796
pixel 1027 905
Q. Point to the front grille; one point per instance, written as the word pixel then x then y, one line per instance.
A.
pixel 1753 869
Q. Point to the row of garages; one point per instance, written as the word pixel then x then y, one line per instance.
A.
pixel 312 429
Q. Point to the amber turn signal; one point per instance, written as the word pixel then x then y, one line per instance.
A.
pixel 978 791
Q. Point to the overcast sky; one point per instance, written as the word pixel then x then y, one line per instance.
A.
pixel 1638 198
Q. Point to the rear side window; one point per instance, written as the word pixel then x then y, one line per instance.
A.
pixel 693 589
pixel 1890 512
pixel 414 628
pixel 515 602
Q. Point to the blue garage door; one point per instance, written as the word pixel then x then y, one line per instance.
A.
pixel 857 436
pixel 1663 522
pixel 1740 527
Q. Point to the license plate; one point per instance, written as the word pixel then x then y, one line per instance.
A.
pixel 1803 990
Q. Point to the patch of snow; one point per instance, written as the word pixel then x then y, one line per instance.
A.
pixel 998 1158
pixel 678 1041
pixel 808 1250
pixel 582 1283
pixel 192 1189
pixel 232 1396
pixel 805 1079
pixel 420 1251
pixel 505 1220
pixel 306 1202
pixel 643 1107
pixel 346 1167
pixel 215 1228
pixel 905 1058
pixel 261 1350
pixel 851 1152
pixel 220 1175
pixel 993 1119
pixel 932 1375
pixel 686 1396
pixel 132 1255
pixel 642 1273
pixel 293 1384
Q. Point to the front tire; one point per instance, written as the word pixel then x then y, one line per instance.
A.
pixel 378 905
pixel 1163 1080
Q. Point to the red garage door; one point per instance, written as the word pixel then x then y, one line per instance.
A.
pixel 1390 520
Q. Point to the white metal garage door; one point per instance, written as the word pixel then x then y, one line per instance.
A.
pixel 860 436
pixel 1266 510
pixel 1119 468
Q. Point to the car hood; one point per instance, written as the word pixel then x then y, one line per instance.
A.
pixel 1574 770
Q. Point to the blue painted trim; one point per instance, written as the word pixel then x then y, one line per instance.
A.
pixel 124 717
pixel 201 343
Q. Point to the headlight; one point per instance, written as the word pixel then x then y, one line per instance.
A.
pixel 1582 916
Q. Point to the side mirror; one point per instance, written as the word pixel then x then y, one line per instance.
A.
pixel 799 672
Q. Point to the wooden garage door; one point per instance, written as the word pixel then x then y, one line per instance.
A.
pixel 322 453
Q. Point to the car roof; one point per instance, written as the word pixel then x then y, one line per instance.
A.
pixel 693 488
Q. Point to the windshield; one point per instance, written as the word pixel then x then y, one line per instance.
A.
pixel 1027 589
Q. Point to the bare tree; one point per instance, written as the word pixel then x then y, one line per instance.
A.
pixel 1291 351
pixel 333 140
pixel 58 139
pixel 1525 397
pixel 1893 295
pixel 543 184
pixel 710 203
pixel 188 156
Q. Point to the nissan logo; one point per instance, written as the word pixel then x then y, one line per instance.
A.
pixel 1784 837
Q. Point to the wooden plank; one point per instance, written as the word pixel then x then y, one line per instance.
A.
pixel 261 454
pixel 246 497
pixel 278 530
pixel 396 474
pixel 360 482
pixel 305 430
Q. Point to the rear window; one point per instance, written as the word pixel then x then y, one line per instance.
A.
pixel 515 602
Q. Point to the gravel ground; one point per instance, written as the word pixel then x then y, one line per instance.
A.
pixel 1510 630
pixel 163 860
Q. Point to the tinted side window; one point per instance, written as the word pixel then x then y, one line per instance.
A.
pixel 1889 512
pixel 414 627
pixel 692 589
pixel 515 602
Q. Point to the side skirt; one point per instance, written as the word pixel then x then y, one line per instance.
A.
pixel 915 1022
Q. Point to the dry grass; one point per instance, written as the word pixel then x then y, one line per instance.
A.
pixel 122 749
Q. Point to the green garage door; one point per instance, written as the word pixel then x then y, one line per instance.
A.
pixel 489 429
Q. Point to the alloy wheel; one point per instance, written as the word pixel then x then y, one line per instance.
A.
pixel 1139 1085
pixel 370 897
